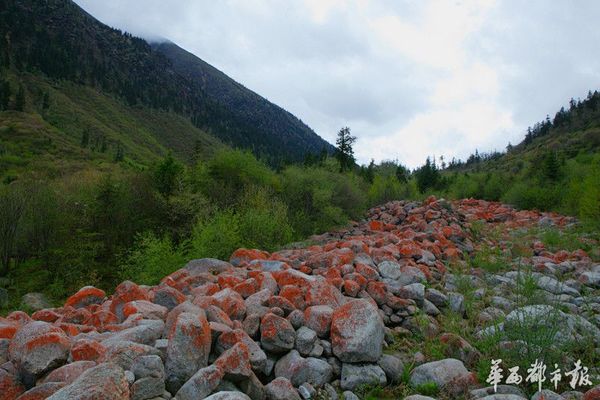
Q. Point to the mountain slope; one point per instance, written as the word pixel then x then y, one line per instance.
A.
pixel 56 39
pixel 250 108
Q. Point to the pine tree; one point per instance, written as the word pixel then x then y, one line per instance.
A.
pixel 345 153
pixel 551 166
pixel 370 173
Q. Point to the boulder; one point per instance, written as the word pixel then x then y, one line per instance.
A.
pixel 277 334
pixel 38 347
pixel 355 375
pixel 281 389
pixel 201 384
pixel 439 372
pixel 188 349
pixel 106 381
pixel 357 332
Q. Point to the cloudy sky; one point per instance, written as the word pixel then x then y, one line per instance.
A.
pixel 411 78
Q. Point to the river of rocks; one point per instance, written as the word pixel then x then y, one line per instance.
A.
pixel 309 322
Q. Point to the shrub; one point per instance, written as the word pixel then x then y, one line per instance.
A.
pixel 216 237
pixel 150 259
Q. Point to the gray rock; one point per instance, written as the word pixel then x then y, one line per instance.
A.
pixel 438 298
pixel 500 389
pixel 228 396
pixel 357 332
pixel 148 366
pixel 354 375
pixel 430 308
pixel 456 302
pixel 130 376
pixel 281 389
pixel 553 286
pixel 572 395
pixel 277 334
pixel 253 387
pixel 300 370
pixel 124 352
pixel 307 391
pixel 418 397
pixel 415 291
pixel 188 349
pixel 439 372
pixel 331 392
pixel 590 278
pixel 305 340
pixel 296 318
pixel 392 366
pixel 147 388
pixel 207 265
pixel 389 269
pixel 201 384
pixel 348 395
pixel 106 381
pixel 35 301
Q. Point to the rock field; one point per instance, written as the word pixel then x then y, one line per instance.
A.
pixel 332 319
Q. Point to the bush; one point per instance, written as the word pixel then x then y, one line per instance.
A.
pixel 263 221
pixel 150 259
pixel 216 237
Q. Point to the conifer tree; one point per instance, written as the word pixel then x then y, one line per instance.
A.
pixel 345 152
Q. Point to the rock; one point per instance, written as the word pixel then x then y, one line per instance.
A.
pixel 389 269
pixel 35 301
pixel 201 384
pixel 546 394
pixel 38 347
pixel 168 297
pixel 503 397
pixel 41 391
pixel 300 370
pixel 572 395
pixel 330 392
pixel 281 389
pixel 227 396
pixel 235 363
pixel 456 303
pixel 147 388
pixel 590 278
pixel 318 318
pixel 277 334
pixel 146 309
pixel 69 372
pixel 207 265
pixel 357 332
pixel 258 358
pixel 87 350
pixel 148 366
pixel 232 303
pixel 253 387
pixel 499 390
pixel 10 387
pixel 296 318
pixel 418 397
pixel 305 340
pixel 392 366
pixel 414 291
pixel 123 352
pixel 348 395
pixel 553 286
pixel 86 296
pixel 188 349
pixel 439 372
pixel 354 375
pixel 307 391
pixel 106 381
pixel 457 347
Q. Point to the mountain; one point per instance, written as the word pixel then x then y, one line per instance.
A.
pixel 87 79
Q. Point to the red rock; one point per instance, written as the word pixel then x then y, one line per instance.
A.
pixel 228 281
pixel 147 309
pixel 276 334
pixel 46 315
pixel 320 292
pixel 247 287
pixel 87 350
pixel 124 293
pixel 592 394
pixel 351 288
pixel 10 387
pixel 376 225
pixel 318 318
pixel 69 372
pixel 377 291
pixel 102 318
pixel 168 296
pixel 235 362
pixel 188 349
pixel 294 295
pixel 86 296
pixel 281 302
pixel 8 328
pixel 241 256
pixel 41 391
pixel 75 316
pixel 232 303
pixel 38 347
pixel 105 381
pixel 366 271
pixel 20 317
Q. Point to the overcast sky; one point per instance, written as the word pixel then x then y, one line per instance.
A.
pixel 410 78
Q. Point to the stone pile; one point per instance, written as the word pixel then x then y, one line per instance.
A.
pixel 297 323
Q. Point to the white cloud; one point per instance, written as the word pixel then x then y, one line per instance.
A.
pixel 411 78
